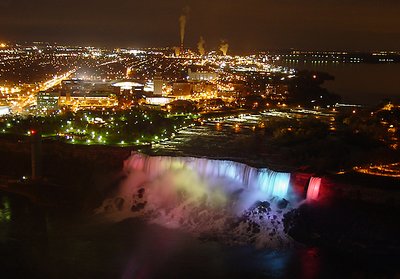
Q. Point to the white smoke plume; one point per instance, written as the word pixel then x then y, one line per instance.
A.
pixel 200 46
pixel 182 23
pixel 224 48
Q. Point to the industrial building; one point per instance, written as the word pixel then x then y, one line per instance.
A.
pixel 92 99
pixel 202 76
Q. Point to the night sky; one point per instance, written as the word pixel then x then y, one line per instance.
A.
pixel 247 25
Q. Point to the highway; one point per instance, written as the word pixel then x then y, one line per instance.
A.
pixel 29 98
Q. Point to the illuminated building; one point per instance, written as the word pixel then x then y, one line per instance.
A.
pixel 93 99
pixel 129 90
pixel 158 86
pixel 48 101
pixel 79 86
pixel 204 90
pixel 4 110
pixel 182 89
pixel 72 85
pixel 201 76
pixel 128 85
pixel 158 101
pixel 180 106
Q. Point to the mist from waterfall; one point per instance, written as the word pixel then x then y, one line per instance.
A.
pixel 215 199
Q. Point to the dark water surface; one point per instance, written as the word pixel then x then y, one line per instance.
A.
pixel 37 242
pixel 359 83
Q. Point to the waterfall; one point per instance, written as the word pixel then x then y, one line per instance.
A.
pixel 221 199
pixel 268 182
pixel 313 188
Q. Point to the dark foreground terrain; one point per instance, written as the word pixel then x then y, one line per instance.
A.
pixel 47 229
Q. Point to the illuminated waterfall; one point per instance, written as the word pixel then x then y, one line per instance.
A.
pixel 225 200
pixel 269 182
pixel 313 188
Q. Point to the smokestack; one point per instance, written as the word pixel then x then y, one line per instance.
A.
pixel 182 25
pixel 177 51
pixel 200 46
pixel 224 48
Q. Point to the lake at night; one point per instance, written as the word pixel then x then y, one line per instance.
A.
pixel 359 83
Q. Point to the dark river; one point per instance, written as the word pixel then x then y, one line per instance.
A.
pixel 37 242
pixel 359 83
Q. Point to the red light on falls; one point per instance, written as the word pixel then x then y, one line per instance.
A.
pixel 313 188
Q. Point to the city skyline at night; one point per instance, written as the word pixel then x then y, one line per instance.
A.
pixel 199 139
pixel 246 26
